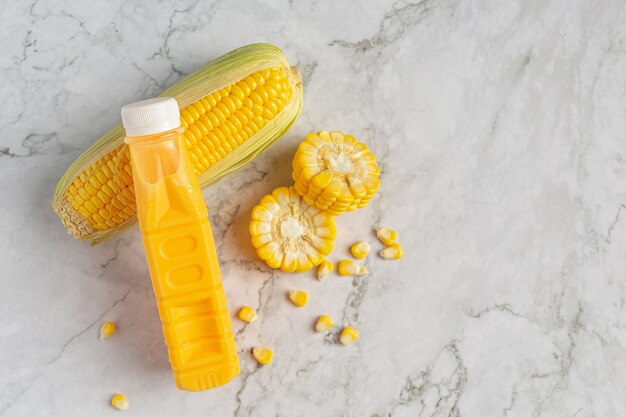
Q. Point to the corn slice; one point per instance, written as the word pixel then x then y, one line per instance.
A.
pixel 347 267
pixel 120 402
pixel 386 236
pixel 392 252
pixel 263 355
pixel 288 233
pixel 107 329
pixel 360 250
pixel 324 269
pixel 323 323
pixel 247 314
pixel 298 298
pixel 335 172
pixel 348 335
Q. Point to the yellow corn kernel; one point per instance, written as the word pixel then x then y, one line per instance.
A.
pixel 392 252
pixel 107 329
pixel 215 124
pixel 347 267
pixel 323 323
pixel 262 355
pixel 288 233
pixel 387 236
pixel 348 335
pixel 247 314
pixel 120 402
pixel 324 269
pixel 335 172
pixel 360 250
pixel 299 298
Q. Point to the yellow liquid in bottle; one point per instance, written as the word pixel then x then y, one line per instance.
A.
pixel 183 264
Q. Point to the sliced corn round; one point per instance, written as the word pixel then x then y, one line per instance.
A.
pixel 298 298
pixel 323 323
pixel 263 355
pixel 107 329
pixel 324 269
pixel 335 172
pixel 392 252
pixel 290 234
pixel 387 236
pixel 348 335
pixel 360 250
pixel 247 314
pixel 120 402
pixel 347 268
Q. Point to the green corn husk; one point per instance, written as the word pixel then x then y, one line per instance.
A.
pixel 218 74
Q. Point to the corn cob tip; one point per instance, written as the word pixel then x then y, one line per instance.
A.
pixel 295 75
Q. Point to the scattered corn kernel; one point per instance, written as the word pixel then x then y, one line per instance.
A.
pixel 262 355
pixel 323 324
pixel 392 252
pixel 348 335
pixel 247 314
pixel 360 249
pixel 347 267
pixel 299 298
pixel 107 329
pixel 120 402
pixel 387 236
pixel 324 269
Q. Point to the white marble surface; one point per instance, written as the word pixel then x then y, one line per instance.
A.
pixel 500 127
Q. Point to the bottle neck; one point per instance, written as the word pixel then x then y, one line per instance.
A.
pixel 154 137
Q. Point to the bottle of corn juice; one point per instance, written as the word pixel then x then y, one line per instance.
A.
pixel 179 247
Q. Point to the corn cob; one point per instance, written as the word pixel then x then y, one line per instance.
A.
pixel 231 110
pixel 334 172
pixel 288 233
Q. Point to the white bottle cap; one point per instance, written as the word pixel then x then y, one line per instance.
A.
pixel 151 116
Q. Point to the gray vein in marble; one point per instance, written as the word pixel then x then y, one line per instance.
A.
pixel 392 27
pixel 505 308
pixel 86 329
pixel 514 394
pixel 609 232
pixel 449 389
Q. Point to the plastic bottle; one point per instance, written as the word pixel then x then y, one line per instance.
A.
pixel 179 247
